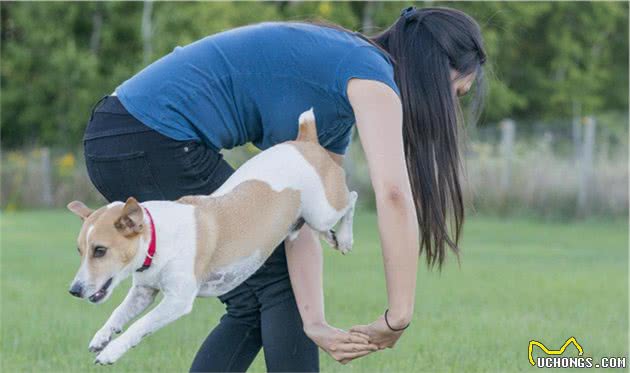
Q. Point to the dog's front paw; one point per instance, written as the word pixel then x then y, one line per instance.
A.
pixel 100 340
pixel 110 354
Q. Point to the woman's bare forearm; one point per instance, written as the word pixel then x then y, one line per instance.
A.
pixel 379 116
pixel 399 240
pixel 305 262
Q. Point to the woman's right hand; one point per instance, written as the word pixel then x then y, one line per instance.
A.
pixel 379 333
pixel 339 344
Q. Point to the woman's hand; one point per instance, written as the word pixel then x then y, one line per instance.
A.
pixel 379 333
pixel 339 344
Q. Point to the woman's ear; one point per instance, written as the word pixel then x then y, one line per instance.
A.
pixel 131 218
pixel 80 209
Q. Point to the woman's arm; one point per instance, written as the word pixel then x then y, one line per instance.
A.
pixel 305 262
pixel 378 114
pixel 304 259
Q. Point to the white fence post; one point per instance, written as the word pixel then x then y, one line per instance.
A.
pixel 47 194
pixel 586 165
pixel 508 129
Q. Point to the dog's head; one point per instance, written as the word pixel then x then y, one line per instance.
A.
pixel 108 243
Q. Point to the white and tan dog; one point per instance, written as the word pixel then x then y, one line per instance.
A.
pixel 207 245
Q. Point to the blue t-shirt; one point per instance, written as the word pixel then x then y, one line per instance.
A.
pixel 250 84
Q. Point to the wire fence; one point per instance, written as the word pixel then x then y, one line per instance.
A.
pixel 571 168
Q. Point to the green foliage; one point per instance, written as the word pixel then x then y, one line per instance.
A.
pixel 549 57
pixel 545 58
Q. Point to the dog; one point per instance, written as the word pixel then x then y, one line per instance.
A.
pixel 200 246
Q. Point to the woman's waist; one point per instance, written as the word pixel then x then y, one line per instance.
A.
pixel 109 118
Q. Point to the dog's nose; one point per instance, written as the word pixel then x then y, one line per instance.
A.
pixel 76 290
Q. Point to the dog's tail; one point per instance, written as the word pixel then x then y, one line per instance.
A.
pixel 307 130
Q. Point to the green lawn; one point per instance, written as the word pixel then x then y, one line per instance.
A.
pixel 518 280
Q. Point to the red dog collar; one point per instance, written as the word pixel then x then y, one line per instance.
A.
pixel 152 245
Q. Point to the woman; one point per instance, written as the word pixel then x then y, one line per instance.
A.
pixel 159 137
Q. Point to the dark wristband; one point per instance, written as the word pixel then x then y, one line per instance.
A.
pixel 390 327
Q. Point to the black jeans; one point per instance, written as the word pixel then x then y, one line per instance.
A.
pixel 126 158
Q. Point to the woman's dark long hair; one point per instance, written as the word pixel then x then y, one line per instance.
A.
pixel 425 45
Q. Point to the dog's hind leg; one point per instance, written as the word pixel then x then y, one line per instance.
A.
pixel 330 237
pixel 344 237
pixel 295 229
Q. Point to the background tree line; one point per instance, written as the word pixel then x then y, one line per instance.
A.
pixel 547 60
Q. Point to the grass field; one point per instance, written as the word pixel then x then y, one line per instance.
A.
pixel 519 280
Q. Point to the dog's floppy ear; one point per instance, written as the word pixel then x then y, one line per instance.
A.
pixel 80 209
pixel 130 221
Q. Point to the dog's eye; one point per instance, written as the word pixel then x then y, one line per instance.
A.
pixel 99 251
